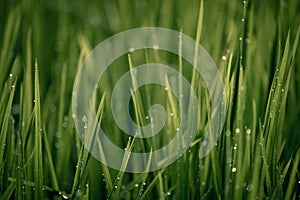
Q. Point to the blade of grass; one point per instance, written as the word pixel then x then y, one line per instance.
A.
pixel 20 188
pixel 9 191
pixel 50 160
pixel 3 136
pixel 38 157
pixel 9 40
pixel 292 179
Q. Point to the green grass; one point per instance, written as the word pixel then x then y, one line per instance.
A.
pixel 255 45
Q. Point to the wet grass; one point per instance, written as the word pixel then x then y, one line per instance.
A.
pixel 255 46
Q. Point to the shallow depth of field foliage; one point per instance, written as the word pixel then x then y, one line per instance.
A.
pixel 254 45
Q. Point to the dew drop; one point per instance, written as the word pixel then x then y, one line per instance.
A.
pixel 155 46
pixel 248 131
pixel 131 50
pixel 136 185
pixel 224 58
pixel 249 187
pixel 237 130
pixel 233 169
pixel 228 133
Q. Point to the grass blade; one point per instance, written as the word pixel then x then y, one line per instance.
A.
pixel 38 153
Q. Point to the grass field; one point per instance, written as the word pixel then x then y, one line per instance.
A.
pixel 255 45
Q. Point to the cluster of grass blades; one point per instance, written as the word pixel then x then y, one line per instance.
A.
pixel 255 46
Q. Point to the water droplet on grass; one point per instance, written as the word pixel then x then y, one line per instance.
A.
pixel 224 58
pixel 155 46
pixel 248 131
pixel 131 50
pixel 237 130
pixel 233 169
pixel 249 187
pixel 228 133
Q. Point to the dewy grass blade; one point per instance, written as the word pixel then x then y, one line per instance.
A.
pixel 8 43
pixel 114 194
pixel 20 189
pixel 152 184
pixel 38 151
pixel 292 185
pixel 84 154
pixel 50 160
pixel 4 137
